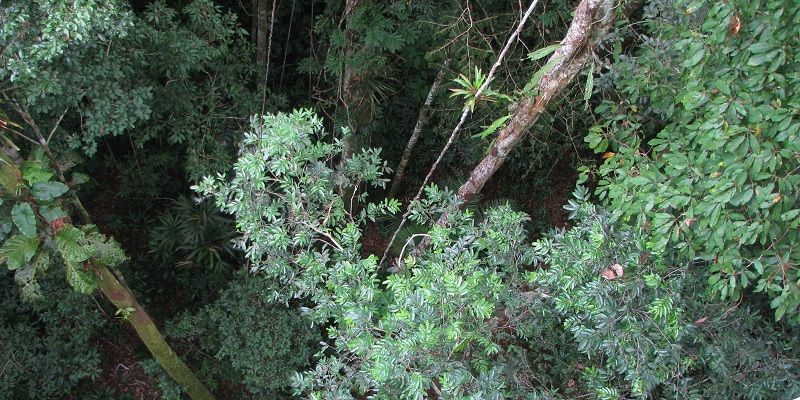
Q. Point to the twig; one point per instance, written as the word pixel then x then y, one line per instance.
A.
pixel 411 240
pixel 269 50
pixel 333 241
pixel 286 46
pixel 58 122
pixel 412 141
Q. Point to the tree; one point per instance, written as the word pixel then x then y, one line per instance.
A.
pixel 674 276
pixel 592 18
pixel 35 35
pixel 700 136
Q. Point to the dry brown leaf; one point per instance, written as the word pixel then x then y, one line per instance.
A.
pixel 613 272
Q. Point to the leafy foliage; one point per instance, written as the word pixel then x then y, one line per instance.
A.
pixel 253 340
pixel 283 197
pixel 296 230
pixel 634 316
pixel 46 347
pixel 657 291
pixel 193 245
pixel 193 235
pixel 704 143
pixel 44 231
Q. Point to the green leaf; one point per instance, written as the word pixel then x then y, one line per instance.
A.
pixel 694 6
pixel 761 47
pixel 5 228
pixel 695 57
pixel 790 215
pixel 35 171
pixel 492 128
pixel 24 218
pixel 106 250
pixel 587 91
pixel 26 277
pixel 51 214
pixel 761 58
pixel 80 280
pixel 537 77
pixel 18 251
pixel 543 52
pixel 71 242
pixel 79 178
pixel 46 191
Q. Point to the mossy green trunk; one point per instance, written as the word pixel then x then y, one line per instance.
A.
pixel 122 298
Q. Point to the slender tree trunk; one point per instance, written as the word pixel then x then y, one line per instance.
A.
pixel 253 20
pixel 412 141
pixel 112 286
pixel 350 96
pixel 464 113
pixel 261 32
pixel 591 16
pixel 353 110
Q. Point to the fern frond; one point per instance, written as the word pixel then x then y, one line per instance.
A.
pixel 80 280
pixel 26 277
pixel 107 250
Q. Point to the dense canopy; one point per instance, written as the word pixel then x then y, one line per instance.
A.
pixel 399 199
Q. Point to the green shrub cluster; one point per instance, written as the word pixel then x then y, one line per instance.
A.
pixel 47 348
pixel 247 338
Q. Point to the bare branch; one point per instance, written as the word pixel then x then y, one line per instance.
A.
pixel 58 122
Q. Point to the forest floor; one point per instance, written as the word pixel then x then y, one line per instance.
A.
pixel 122 371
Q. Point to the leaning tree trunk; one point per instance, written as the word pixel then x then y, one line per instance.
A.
pixel 111 284
pixel 592 17
pixel 148 332
pixel 412 141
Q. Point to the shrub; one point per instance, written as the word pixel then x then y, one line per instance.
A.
pixel 252 340
pixel 45 345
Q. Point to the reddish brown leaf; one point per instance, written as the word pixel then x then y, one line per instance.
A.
pixel 735 25
pixel 613 272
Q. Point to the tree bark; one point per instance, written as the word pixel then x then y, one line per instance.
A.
pixel 591 17
pixel 412 141
pixel 464 113
pixel 352 110
pixel 261 33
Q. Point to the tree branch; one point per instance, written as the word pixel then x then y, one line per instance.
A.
pixel 464 115
pixel 412 141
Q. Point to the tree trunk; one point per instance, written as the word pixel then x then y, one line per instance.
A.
pixel 591 16
pixel 261 33
pixel 412 141
pixel 253 20
pixel 353 111
pixel 123 299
